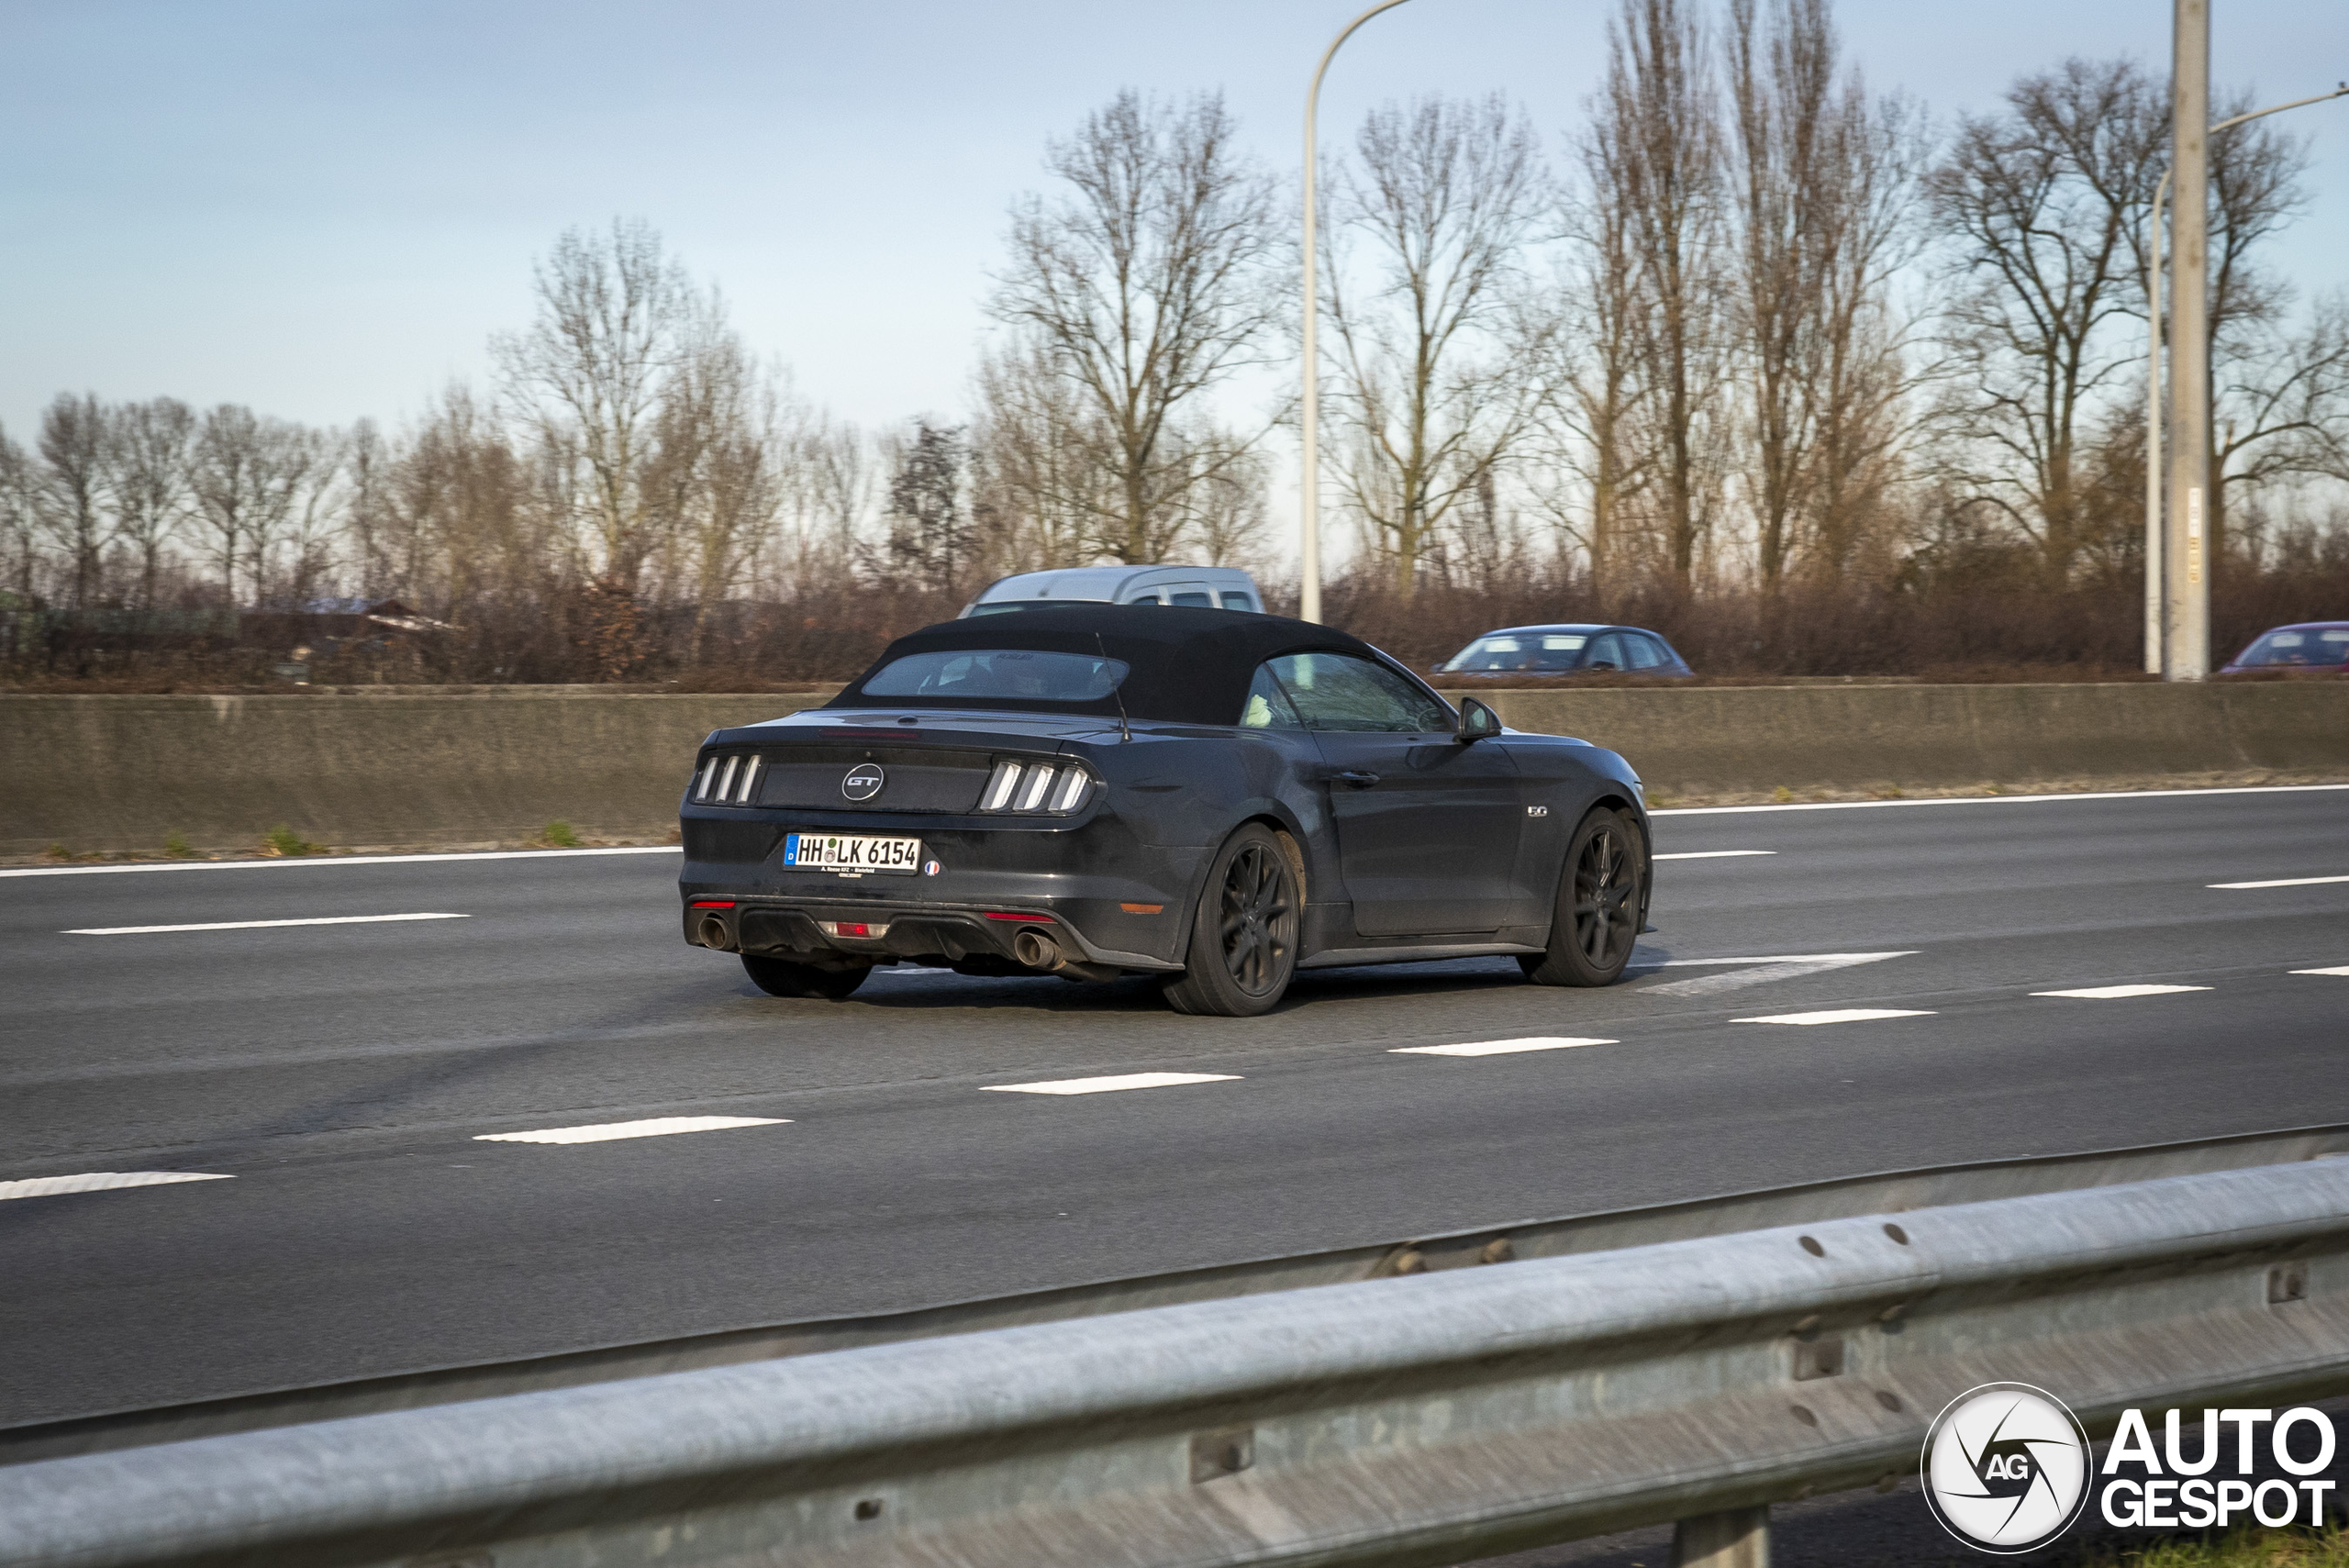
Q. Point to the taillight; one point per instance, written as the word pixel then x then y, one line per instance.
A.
pixel 729 779
pixel 1036 788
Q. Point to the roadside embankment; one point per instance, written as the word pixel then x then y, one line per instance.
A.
pixel 122 774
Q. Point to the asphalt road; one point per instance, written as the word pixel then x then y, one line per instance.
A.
pixel 345 1074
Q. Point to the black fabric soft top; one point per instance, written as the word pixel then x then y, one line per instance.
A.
pixel 1187 666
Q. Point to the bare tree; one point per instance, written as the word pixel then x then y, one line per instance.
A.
pixel 1144 285
pixel 71 496
pixel 1824 192
pixel 1585 344
pixel 2284 405
pixel 715 481
pixel 1432 390
pixel 1660 110
pixel 1045 472
pixel 150 446
pixel 589 376
pixel 19 524
pixel 829 502
pixel 2041 204
pixel 250 478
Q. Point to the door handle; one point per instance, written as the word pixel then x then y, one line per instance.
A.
pixel 1356 778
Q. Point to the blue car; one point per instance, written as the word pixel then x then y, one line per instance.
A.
pixel 2310 645
pixel 1565 650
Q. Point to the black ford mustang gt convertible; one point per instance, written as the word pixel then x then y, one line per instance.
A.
pixel 1213 799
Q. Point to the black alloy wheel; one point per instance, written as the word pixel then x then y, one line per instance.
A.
pixel 1243 937
pixel 784 977
pixel 1600 898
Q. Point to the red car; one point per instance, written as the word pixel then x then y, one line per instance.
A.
pixel 2310 645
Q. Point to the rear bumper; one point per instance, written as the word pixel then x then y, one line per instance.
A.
pixel 1103 896
pixel 932 933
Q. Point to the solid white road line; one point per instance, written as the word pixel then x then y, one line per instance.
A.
pixel 1986 799
pixel 342 860
pixel 2282 882
pixel 2114 993
pixel 253 925
pixel 102 1181
pixel 1111 1085
pixel 1498 1047
pixel 1837 1015
pixel 1714 854
pixel 657 1126
pixel 2343 969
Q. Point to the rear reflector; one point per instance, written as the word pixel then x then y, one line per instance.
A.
pixel 1015 915
pixel 714 904
pixel 865 929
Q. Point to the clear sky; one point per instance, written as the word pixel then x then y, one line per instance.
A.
pixel 323 208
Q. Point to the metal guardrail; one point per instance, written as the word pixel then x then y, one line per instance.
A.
pixel 1420 1419
pixel 1561 1236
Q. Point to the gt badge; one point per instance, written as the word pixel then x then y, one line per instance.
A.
pixel 863 780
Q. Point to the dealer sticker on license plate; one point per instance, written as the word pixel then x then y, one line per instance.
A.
pixel 846 854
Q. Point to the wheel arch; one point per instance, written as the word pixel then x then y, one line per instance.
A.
pixel 1285 832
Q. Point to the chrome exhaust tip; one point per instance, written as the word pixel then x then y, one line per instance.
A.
pixel 711 933
pixel 1036 950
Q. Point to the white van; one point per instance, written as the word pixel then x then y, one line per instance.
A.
pixel 1203 587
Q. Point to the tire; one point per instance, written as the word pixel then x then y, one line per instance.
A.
pixel 1598 915
pixel 782 977
pixel 1243 935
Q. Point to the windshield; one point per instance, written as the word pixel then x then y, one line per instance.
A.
pixel 1521 650
pixel 2306 645
pixel 999 674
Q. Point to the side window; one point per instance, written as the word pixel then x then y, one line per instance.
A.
pixel 1645 652
pixel 1197 601
pixel 1337 691
pixel 1234 600
pixel 1268 707
pixel 1605 651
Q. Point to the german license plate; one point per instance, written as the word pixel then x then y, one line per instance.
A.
pixel 850 854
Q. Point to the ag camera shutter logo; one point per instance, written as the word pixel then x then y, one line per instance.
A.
pixel 2005 1468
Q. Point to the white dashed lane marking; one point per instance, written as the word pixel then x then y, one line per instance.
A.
pixel 1498 1047
pixel 1714 854
pixel 657 1126
pixel 254 924
pixel 2343 969
pixel 2114 992
pixel 1786 966
pixel 2281 881
pixel 102 1181
pixel 1837 1015
pixel 1112 1083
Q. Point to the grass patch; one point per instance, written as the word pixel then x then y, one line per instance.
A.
pixel 558 835
pixel 176 846
pixel 282 840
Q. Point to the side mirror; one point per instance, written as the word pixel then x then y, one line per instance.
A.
pixel 1477 722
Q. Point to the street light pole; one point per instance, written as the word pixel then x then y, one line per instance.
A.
pixel 2154 471
pixel 1309 500
pixel 2185 645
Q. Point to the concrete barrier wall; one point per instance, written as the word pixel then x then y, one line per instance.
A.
pixel 1712 740
pixel 120 774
